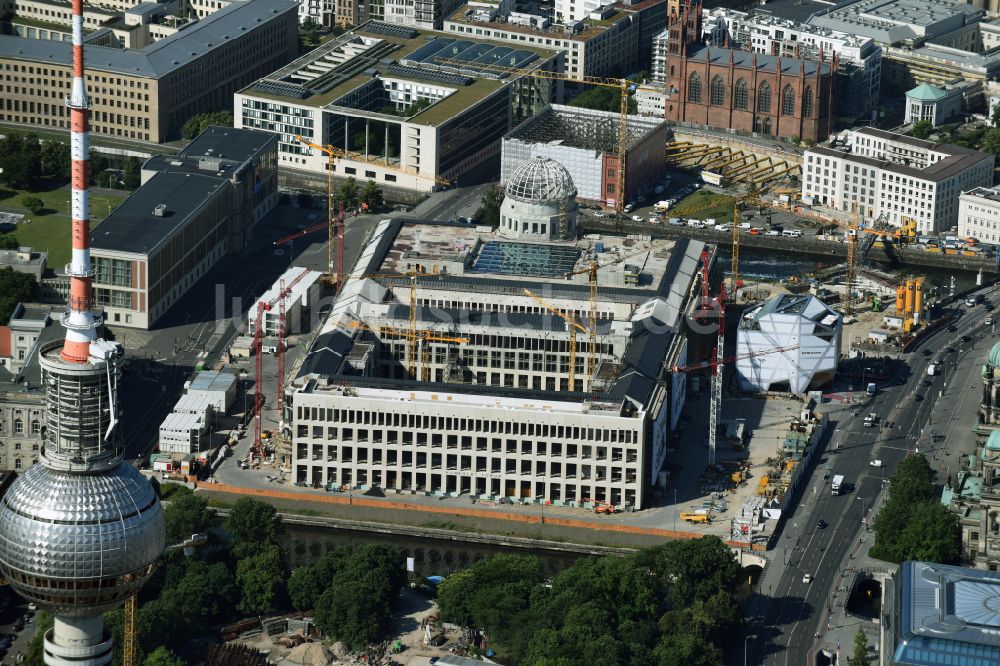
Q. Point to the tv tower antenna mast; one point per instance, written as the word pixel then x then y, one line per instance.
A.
pixel 80 530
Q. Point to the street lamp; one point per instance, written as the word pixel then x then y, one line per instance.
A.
pixel 745 642
pixel 675 509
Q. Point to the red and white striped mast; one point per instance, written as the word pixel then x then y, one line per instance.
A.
pixel 79 321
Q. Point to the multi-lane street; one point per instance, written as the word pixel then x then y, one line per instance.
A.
pixel 794 613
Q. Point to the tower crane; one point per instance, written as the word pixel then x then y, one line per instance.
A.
pixel 573 325
pixel 624 86
pixel 854 229
pixel 591 270
pixel 732 359
pixel 336 225
pixel 422 336
pixel 412 335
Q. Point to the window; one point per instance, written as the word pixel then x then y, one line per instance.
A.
pixel 694 88
pixel 807 102
pixel 36 427
pixel 18 426
pixel 741 95
pixel 788 101
pixel 764 98
pixel 717 91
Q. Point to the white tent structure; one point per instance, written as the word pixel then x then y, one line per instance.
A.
pixel 804 328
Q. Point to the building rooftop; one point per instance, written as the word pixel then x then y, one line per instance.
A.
pixel 161 57
pixel 133 227
pixel 589 28
pixel 576 127
pixel 796 10
pixel 958 158
pixel 746 60
pixel 949 615
pixel 925 92
pixel 327 75
pixel 212 380
pixel 22 256
pixel 895 21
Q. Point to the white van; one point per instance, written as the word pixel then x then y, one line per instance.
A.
pixel 745 226
pixel 794 233
pixel 696 224
pixel 662 205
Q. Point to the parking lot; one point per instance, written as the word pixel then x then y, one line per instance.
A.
pixel 17 626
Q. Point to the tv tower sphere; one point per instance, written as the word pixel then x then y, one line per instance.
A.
pixel 81 530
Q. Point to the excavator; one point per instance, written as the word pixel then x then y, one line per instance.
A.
pixel 601 508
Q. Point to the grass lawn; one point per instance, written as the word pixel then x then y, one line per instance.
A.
pixel 50 231
pixel 703 205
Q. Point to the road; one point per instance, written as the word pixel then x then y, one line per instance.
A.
pixel 794 612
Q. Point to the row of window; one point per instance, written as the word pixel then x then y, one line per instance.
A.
pixel 717 94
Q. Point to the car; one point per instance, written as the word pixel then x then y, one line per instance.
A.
pixel 638 218
pixel 821 524
pixel 32 606
pixel 918 398
pixel 599 214
pixel 773 232
pixel 926 352
pixel 927 382
pixel 988 321
pixel 952 328
pixel 876 463
pixel 19 625
pixel 988 306
pixel 755 231
pixel 628 207
pixel 808 578
pixel 966 338
pixel 658 189
pixel 676 221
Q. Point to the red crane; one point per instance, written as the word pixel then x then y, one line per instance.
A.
pixel 300 233
pixel 711 363
pixel 338 235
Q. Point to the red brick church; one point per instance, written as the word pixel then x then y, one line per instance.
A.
pixel 750 92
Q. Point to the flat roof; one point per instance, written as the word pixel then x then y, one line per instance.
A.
pixel 797 10
pixel 396 52
pixel 215 152
pixel 576 127
pixel 133 228
pixel 164 56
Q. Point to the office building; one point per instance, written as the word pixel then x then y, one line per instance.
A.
pixel 147 94
pixel 789 343
pixel 616 39
pixel 585 142
pixel 939 614
pixel 859 59
pixel 893 176
pixel 979 215
pixel 410 107
pixel 193 209
pixel 491 402
pixel 422 14
pixel 741 91
pixel 25 260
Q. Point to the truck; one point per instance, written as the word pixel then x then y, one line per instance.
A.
pixel 931 369
pixel 835 485
pixel 871 419
pixel 872 388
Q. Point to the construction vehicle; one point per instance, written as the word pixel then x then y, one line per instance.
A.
pixel 600 508
pixel 695 517
pixel 572 325
pixel 623 86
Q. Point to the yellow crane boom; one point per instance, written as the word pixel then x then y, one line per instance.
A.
pixel 423 335
pixel 573 325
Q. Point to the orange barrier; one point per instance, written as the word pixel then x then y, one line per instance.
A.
pixel 326 498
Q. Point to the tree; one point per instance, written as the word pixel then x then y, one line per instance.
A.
pixel 8 242
pixel 372 196
pixel 304 588
pixel 995 116
pixel 20 159
pixel 931 535
pixel 161 656
pixel 356 609
pixel 696 568
pixel 56 160
pixel 199 123
pixel 489 212
pixel 33 203
pixel 36 648
pixel 991 141
pixel 348 194
pixel 187 514
pixel 261 579
pixel 14 288
pixel 860 649
pixel 310 31
pixel 131 174
pixel 921 129
pixel 253 525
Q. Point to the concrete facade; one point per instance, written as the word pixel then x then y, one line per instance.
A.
pixel 979 215
pixel 892 176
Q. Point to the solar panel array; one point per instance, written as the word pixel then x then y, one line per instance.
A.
pixel 472 55
pixel 380 28
pixel 507 258
pixel 427 74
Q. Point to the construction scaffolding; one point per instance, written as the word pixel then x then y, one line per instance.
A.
pixel 580 129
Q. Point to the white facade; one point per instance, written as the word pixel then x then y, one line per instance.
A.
pixel 299 283
pixel 892 176
pixel 979 215
pixel 936 105
pixel 182 433
pixel 576 10
pixel 796 340
pixel 219 388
